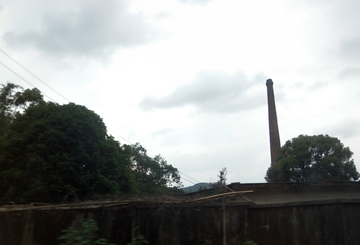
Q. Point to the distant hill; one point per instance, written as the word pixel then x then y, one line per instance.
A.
pixel 196 187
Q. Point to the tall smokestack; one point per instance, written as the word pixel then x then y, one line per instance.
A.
pixel 273 125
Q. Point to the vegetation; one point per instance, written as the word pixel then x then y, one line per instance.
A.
pixel 49 151
pixel 86 234
pixel 139 240
pixel 152 175
pixel 222 179
pixel 249 243
pixel 313 158
pixel 202 188
pixel 13 100
pixel 197 187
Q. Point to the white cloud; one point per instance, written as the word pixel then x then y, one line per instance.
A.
pixel 196 2
pixel 95 29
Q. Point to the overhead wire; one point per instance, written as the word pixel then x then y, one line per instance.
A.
pixel 67 101
pixel 120 136
pixel 43 83
pixel 189 181
pixel 189 177
pixel 34 75
pixel 24 80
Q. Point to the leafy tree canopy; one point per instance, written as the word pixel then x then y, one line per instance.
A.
pixel 52 150
pixel 13 100
pixel 153 175
pixel 313 158
pixel 49 151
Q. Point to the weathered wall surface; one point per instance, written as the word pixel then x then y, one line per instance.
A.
pixel 273 214
pixel 160 224
pixel 327 224
pixel 331 222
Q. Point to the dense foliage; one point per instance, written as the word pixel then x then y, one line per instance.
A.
pixel 13 100
pixel 50 151
pixel 313 158
pixel 152 175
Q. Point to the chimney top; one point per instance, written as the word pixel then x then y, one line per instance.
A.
pixel 269 82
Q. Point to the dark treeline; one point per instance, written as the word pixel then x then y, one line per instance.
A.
pixel 49 152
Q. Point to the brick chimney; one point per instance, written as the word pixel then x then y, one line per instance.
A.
pixel 273 125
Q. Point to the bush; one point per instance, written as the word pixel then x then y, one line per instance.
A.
pixel 85 235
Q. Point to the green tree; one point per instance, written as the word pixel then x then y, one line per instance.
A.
pixel 48 151
pixel 52 150
pixel 313 158
pixel 14 100
pixel 153 175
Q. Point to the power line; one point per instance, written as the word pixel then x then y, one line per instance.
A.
pixel 189 177
pixel 120 136
pixel 25 80
pixel 44 84
pixel 189 181
pixel 196 181
pixel 34 75
pixel 66 100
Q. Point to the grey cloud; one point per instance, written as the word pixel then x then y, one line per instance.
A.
pixel 344 129
pixel 350 49
pixel 97 29
pixel 213 92
pixel 349 72
pixel 196 2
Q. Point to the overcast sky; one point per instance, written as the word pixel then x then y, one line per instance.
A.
pixel 186 78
